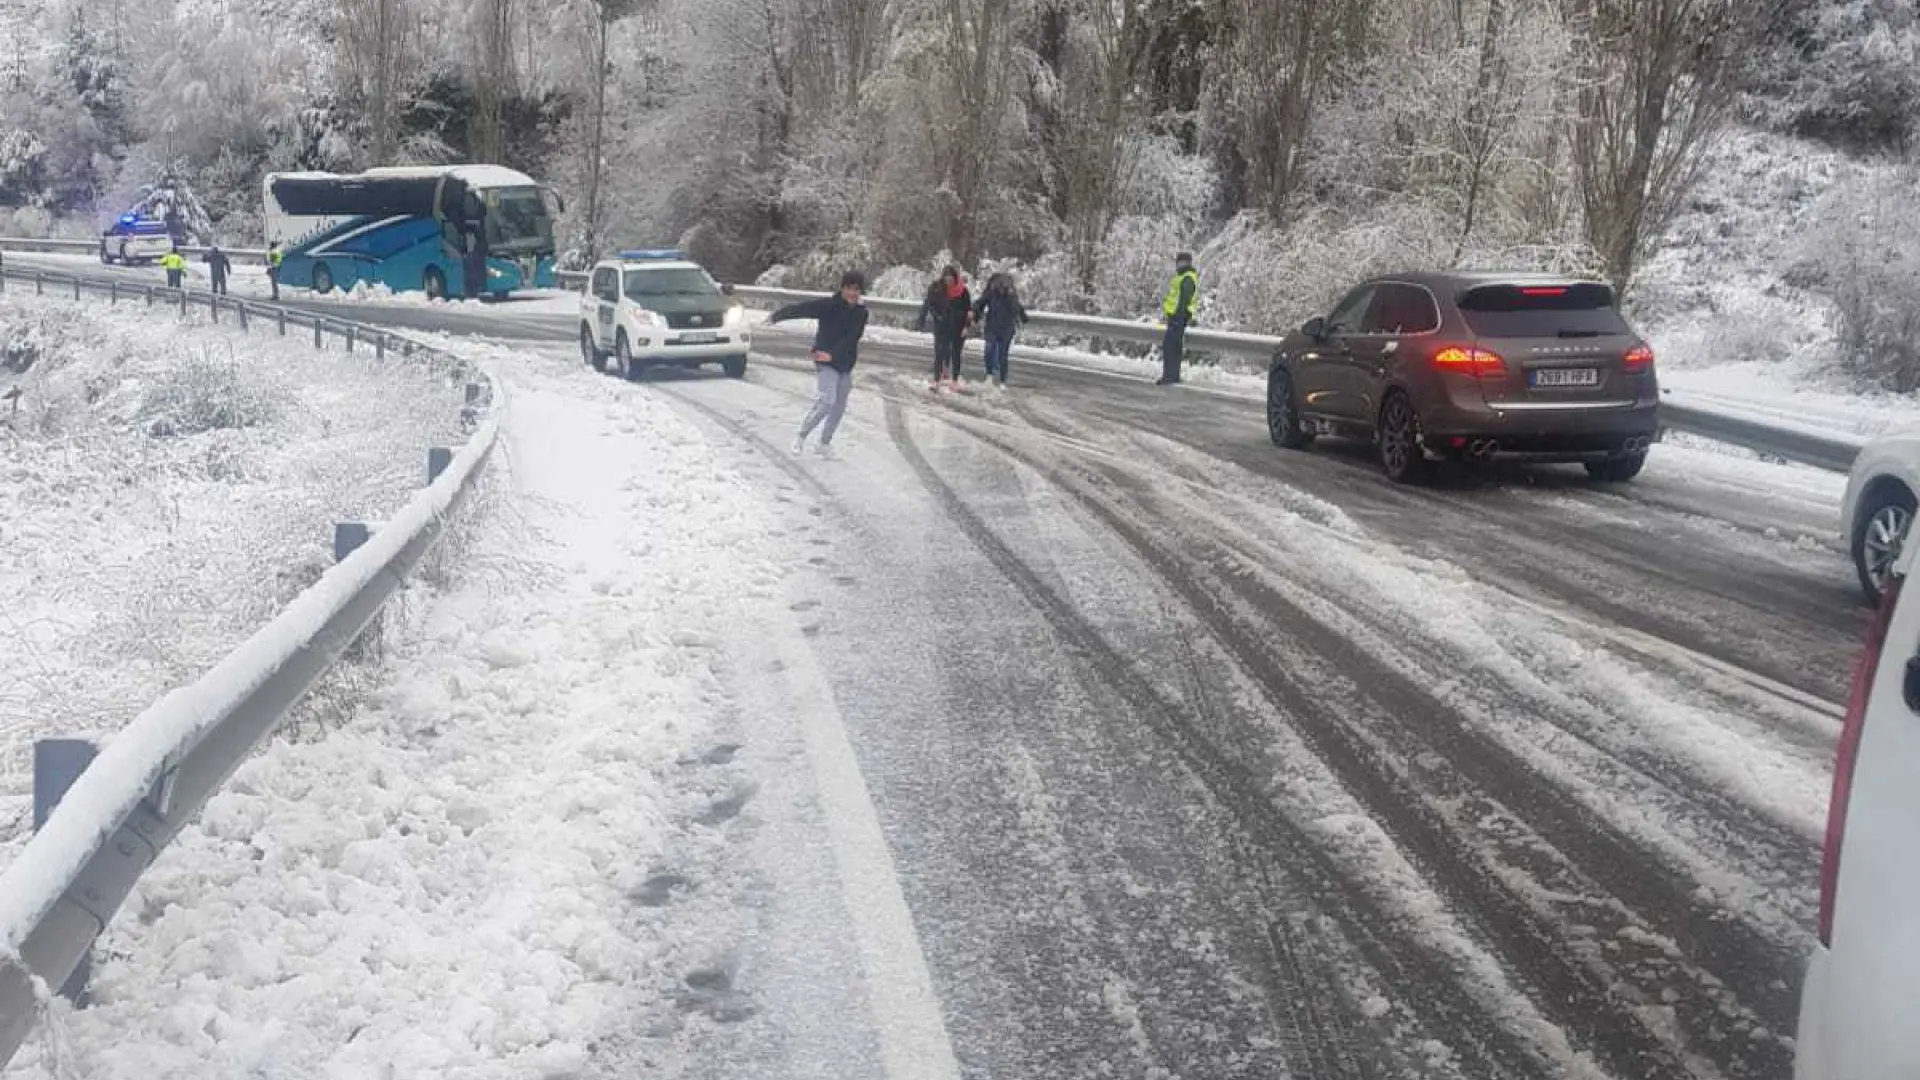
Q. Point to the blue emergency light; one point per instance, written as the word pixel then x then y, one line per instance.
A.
pixel 661 254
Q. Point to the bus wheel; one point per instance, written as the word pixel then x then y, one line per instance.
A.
pixel 435 283
pixel 322 278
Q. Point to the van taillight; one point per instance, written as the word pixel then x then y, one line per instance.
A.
pixel 1479 363
pixel 1863 673
pixel 1638 359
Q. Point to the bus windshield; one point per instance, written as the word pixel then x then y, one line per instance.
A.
pixel 670 281
pixel 517 221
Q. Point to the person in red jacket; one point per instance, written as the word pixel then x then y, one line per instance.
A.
pixel 949 305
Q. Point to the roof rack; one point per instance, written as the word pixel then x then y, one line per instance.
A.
pixel 660 254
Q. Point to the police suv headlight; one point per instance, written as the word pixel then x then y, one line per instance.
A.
pixel 643 317
pixel 736 316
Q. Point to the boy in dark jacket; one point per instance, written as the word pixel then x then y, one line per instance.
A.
pixel 950 306
pixel 836 348
pixel 998 311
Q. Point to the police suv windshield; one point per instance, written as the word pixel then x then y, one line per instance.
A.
pixel 670 281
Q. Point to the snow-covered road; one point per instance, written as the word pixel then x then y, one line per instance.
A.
pixel 1075 729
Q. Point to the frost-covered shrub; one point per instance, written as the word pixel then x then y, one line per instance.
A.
pixel 1863 254
pixel 205 395
pixel 30 338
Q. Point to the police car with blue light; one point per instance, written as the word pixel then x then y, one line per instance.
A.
pixel 657 308
pixel 134 238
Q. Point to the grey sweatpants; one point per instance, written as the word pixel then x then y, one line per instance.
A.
pixel 829 402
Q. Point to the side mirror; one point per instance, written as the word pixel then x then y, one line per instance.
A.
pixel 726 289
pixel 1316 328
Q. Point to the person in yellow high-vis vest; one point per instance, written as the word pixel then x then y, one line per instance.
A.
pixel 274 258
pixel 175 265
pixel 1183 298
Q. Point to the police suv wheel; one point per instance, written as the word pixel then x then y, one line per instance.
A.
pixel 595 359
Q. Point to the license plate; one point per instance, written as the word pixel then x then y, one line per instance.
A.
pixel 698 339
pixel 1577 376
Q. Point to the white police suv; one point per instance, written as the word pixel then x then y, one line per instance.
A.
pixel 656 308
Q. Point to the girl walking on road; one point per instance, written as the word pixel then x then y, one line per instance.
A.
pixel 950 306
pixel 842 319
pixel 999 312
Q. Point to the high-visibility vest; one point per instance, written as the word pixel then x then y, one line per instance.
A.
pixel 273 257
pixel 1171 306
pixel 172 261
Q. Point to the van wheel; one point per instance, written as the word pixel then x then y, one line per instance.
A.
pixel 1283 412
pixel 1617 470
pixel 322 278
pixel 1401 451
pixel 434 283
pixel 595 359
pixel 1886 519
pixel 735 367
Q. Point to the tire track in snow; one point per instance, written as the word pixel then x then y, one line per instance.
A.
pixel 1239 790
pixel 1319 1044
pixel 1586 993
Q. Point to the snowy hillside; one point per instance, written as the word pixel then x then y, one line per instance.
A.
pixel 164 488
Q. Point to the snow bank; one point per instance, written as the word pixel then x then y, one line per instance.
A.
pixel 448 884
pixel 166 487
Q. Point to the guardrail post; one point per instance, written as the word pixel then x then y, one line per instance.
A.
pixel 379 346
pixel 113 292
pixel 349 338
pixel 316 334
pixel 347 538
pixel 76 288
pixel 280 316
pixel 183 301
pixel 438 458
pixel 213 307
pixel 240 306
pixel 39 282
pixel 57 763
pixel 149 296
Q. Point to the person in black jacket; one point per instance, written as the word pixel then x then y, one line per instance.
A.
pixel 998 311
pixel 842 319
pixel 950 306
pixel 217 265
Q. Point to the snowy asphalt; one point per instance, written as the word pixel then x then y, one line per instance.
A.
pixel 1198 758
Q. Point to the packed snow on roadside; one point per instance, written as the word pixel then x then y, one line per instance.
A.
pixel 166 486
pixel 459 880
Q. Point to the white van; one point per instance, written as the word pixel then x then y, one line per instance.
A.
pixel 1858 1009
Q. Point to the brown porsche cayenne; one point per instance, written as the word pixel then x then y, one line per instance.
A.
pixel 1471 367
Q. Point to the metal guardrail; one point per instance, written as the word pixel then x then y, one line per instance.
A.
pixel 157 773
pixel 1820 449
pixel 92 247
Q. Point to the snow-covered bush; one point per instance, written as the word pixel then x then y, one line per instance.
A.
pixel 1848 73
pixel 1863 255
pixel 205 394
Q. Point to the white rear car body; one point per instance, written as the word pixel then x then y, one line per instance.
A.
pixel 1863 985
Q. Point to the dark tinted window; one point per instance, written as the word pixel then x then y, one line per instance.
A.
pixel 603 282
pixel 671 281
pixel 1516 311
pixel 1402 309
pixel 1347 317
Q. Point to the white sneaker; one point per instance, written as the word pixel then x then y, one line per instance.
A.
pixel 825 450
pixel 799 444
